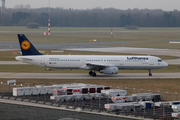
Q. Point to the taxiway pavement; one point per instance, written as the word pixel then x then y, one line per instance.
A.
pixel 133 50
pixel 86 76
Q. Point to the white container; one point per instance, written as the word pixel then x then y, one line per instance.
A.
pixel 88 97
pixel 18 91
pixel 148 97
pixel 43 91
pixel 124 106
pixel 140 97
pixel 68 97
pixel 130 98
pixel 176 108
pixel 167 103
pixel 35 91
pixel 39 86
pixel 175 114
pixel 143 96
pixel 97 95
pixel 59 98
pixel 122 92
pixel 136 105
pixel 78 97
pixel 110 107
pixel 28 90
pixel 71 86
pixel 57 92
pixel 50 89
pixel 52 97
pixel 111 93
pixel 146 104
pixel 58 86
pixel 76 91
pixel 118 99
pixel 114 92
pixel 160 104
pixel 174 103
pixel 103 91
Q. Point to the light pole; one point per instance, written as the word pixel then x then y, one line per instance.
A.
pixel 167 95
pixel 150 91
pixel 126 89
pixel 3 87
pixel 132 90
pixel 177 95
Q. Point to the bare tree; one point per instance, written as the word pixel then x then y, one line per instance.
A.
pixel 27 6
pixel 20 6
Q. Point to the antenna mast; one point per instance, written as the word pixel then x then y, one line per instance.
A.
pixel 3 6
pixel 49 25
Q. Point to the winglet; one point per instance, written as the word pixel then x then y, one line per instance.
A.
pixel 26 46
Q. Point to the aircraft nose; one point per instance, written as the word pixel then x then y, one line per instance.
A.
pixel 165 64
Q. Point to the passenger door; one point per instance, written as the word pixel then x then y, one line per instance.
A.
pixel 121 62
pixel 84 61
pixel 42 61
pixel 151 61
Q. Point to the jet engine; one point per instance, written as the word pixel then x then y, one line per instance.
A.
pixel 110 70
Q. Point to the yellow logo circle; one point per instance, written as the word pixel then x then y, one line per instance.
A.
pixel 25 45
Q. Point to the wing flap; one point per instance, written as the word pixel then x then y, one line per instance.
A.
pixel 95 66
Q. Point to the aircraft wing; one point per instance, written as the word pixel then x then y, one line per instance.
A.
pixel 96 66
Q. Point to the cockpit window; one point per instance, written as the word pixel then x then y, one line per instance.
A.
pixel 159 60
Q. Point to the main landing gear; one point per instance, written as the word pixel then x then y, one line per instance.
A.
pixel 92 73
pixel 150 74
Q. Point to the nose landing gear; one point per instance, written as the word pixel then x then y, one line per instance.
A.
pixel 150 74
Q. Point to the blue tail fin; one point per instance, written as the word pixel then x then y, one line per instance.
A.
pixel 26 46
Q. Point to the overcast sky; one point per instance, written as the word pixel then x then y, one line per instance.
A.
pixel 167 5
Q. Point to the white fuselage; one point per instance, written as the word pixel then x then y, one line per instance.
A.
pixel 81 61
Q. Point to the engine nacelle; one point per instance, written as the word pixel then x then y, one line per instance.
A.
pixel 110 70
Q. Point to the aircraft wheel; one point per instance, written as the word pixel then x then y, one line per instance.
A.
pixel 150 74
pixel 90 73
pixel 94 74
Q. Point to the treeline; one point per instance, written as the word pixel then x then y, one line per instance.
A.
pixel 91 18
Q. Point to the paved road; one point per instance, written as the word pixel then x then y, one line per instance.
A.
pixel 15 45
pixel 132 50
pixel 96 46
pixel 21 32
pixel 173 61
pixel 86 76
pixel 12 63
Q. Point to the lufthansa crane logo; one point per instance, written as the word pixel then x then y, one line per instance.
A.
pixel 25 45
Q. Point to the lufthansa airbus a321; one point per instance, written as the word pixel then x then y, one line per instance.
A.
pixel 94 63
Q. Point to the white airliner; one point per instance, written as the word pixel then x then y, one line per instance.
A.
pixel 94 63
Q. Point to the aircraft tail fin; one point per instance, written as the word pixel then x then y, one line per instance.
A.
pixel 26 46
